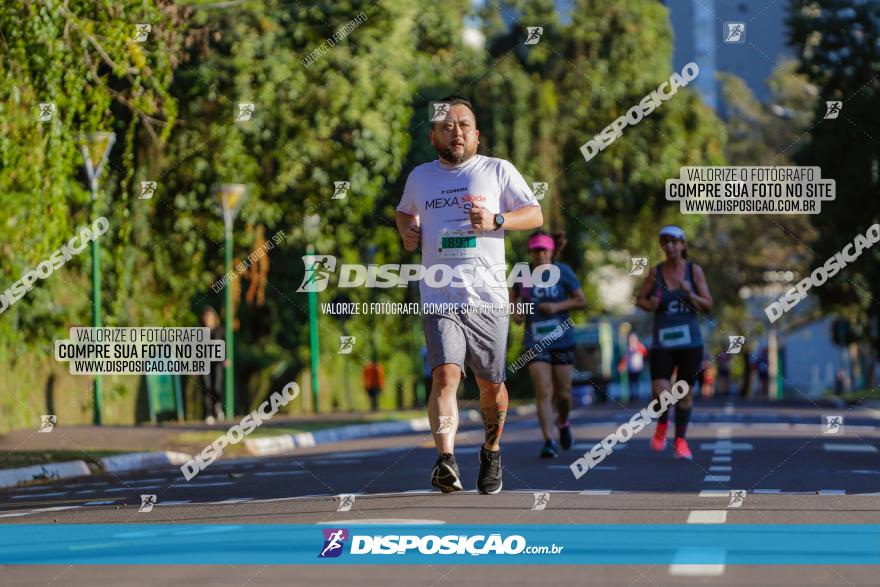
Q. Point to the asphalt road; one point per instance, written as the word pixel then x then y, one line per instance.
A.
pixel 793 469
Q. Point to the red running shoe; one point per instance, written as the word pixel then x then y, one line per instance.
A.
pixel 658 441
pixel 681 450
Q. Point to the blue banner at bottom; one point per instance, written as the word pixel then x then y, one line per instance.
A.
pixel 170 544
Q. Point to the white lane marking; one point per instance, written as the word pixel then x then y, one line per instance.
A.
pixel 15 515
pixel 278 473
pixel 115 489
pixel 875 493
pixel 724 431
pixel 596 492
pixel 101 502
pixel 707 517
pixel 832 492
pixel 233 500
pixel 766 491
pixel 716 478
pixel 178 502
pixel 850 447
pixel 39 495
pixel 200 485
pixel 726 445
pixel 57 508
pixel 714 493
pixel 720 469
pixel 697 570
pixel 716 458
pixel 84 492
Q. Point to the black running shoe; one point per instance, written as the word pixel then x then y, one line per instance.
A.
pixel 549 451
pixel 565 437
pixel 445 475
pixel 489 481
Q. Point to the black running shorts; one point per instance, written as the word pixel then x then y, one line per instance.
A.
pixel 688 360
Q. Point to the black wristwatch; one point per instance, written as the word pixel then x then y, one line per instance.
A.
pixel 499 221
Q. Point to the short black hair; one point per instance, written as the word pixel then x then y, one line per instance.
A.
pixel 454 99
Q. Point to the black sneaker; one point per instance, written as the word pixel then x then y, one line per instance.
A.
pixel 565 437
pixel 445 475
pixel 489 481
pixel 549 451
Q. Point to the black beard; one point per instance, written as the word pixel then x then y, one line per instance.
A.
pixel 448 154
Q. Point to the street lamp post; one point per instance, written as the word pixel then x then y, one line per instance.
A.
pixel 312 228
pixel 95 148
pixel 231 196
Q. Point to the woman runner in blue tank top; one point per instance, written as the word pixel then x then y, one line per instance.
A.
pixel 677 293
pixel 549 338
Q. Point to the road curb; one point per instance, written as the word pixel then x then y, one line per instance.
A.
pixel 143 460
pixel 13 477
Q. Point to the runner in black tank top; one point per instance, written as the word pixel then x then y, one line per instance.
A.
pixel 677 293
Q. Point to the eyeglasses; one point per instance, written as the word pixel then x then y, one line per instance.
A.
pixel 668 239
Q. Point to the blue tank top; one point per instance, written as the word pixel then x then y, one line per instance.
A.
pixel 676 323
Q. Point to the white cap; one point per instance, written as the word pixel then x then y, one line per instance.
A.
pixel 672 230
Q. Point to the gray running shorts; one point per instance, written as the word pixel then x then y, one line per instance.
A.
pixel 476 338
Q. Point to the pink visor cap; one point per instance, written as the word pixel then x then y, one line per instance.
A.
pixel 542 241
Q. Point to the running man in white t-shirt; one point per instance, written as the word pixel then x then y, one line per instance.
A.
pixel 457 208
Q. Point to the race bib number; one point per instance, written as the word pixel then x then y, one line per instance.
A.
pixel 543 328
pixel 674 336
pixel 458 244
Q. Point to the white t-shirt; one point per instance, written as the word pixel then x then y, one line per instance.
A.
pixel 441 196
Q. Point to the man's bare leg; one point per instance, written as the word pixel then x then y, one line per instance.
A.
pixel 493 408
pixel 443 405
pixel 443 416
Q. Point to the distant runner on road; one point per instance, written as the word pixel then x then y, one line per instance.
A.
pixel 676 291
pixel 457 208
pixel 550 370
